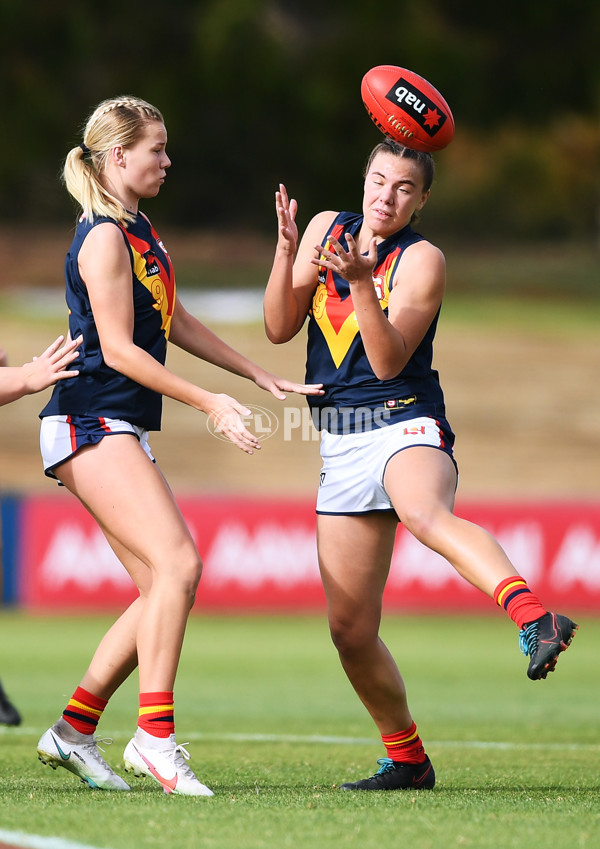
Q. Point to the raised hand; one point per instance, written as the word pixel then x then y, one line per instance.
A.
pixel 286 216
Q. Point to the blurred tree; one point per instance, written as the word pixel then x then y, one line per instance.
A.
pixel 258 91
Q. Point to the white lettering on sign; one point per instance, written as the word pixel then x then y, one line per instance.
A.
pixel 269 552
pixel 412 562
pixel 85 560
pixel 524 544
pixel 578 559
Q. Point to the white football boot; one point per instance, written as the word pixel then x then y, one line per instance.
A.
pixel 82 759
pixel 163 759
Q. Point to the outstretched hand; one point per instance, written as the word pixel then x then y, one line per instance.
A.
pixel 278 386
pixel 51 366
pixel 227 417
pixel 349 264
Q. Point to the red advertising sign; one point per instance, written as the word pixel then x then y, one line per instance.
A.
pixel 260 554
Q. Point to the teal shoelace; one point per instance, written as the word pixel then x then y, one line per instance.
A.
pixel 385 765
pixel 528 639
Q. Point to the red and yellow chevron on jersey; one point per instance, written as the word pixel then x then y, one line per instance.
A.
pixel 336 354
pixel 100 391
pixel 334 311
pixel 155 272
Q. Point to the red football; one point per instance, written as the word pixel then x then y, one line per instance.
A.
pixel 407 108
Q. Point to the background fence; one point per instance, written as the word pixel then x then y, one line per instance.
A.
pixel 260 554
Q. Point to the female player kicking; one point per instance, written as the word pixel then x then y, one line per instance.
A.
pixel 94 438
pixel 372 288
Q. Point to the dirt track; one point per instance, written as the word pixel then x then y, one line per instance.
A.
pixel 526 421
pixel 525 406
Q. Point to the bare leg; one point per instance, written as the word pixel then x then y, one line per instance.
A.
pixel 116 656
pixel 354 556
pixel 421 482
pixel 133 505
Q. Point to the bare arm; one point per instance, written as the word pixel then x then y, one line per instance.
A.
pixel 194 337
pixel 40 373
pixel 105 267
pixel 293 279
pixel 416 297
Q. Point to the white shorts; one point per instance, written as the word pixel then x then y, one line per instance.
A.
pixel 354 464
pixel 62 436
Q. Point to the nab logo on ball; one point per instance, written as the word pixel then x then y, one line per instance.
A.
pixel 407 108
pixel 412 100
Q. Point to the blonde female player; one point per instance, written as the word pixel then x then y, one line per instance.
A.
pixel 373 289
pixel 121 298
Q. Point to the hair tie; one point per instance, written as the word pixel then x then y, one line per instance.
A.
pixel 84 148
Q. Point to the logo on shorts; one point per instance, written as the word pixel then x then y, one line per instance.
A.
pixel 322 478
pixel 418 430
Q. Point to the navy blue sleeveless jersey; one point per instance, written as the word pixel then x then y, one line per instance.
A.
pixel 336 356
pixel 100 390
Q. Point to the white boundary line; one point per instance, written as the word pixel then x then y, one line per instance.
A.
pixel 199 736
pixel 362 741
pixel 36 841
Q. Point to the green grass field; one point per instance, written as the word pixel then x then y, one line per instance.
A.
pixel 273 726
pixel 272 723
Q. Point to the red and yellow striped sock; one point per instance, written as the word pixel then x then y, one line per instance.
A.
pixel 83 711
pixel 520 603
pixel 404 746
pixel 157 713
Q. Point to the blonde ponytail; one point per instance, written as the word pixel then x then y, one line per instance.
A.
pixel 118 121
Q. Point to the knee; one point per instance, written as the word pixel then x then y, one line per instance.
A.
pixel 177 573
pixel 352 635
pixel 192 572
pixel 422 521
pixel 186 573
